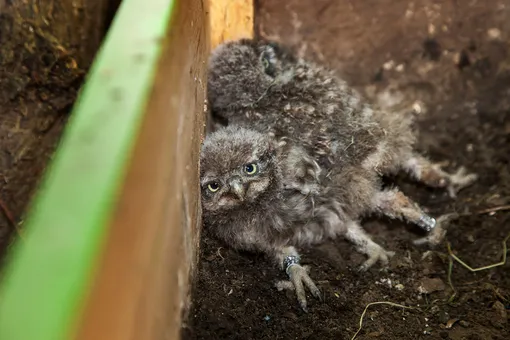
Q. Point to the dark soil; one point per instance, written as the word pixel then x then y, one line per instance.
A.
pixel 37 93
pixel 40 76
pixel 449 59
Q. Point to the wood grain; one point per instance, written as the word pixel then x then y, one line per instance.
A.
pixel 230 20
pixel 141 288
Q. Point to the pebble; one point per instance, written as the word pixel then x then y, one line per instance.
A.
pixel 500 310
pixel 494 33
pixel 399 286
pixel 430 285
pixel 464 323
pixel 389 65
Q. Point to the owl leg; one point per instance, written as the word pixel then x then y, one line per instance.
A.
pixel 394 204
pixel 432 175
pixel 288 260
pixel 364 244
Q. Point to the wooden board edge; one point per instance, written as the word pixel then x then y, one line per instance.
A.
pixel 49 272
pixel 142 285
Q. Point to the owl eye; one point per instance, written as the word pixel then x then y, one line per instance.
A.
pixel 250 169
pixel 266 63
pixel 213 187
pixel 269 68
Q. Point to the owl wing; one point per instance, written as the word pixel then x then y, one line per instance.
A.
pixel 300 171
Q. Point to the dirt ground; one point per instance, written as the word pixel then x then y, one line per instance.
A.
pixel 37 93
pixel 449 60
pixel 40 76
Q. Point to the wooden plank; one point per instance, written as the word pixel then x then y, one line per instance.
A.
pixel 113 230
pixel 230 20
pixel 142 285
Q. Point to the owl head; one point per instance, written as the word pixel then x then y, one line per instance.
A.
pixel 237 169
pixel 240 72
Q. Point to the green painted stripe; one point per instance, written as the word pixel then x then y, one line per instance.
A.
pixel 49 273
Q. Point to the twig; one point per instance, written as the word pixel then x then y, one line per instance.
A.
pixel 488 210
pixel 377 303
pixel 218 252
pixel 498 264
pixel 450 283
pixel 494 209
pixel 348 146
pixel 452 257
pixel 7 213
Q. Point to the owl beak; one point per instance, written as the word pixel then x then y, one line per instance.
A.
pixel 237 189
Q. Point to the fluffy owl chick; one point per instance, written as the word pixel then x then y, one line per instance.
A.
pixel 266 195
pixel 262 87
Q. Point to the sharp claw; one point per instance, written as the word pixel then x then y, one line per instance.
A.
pixel 460 180
pixel 452 191
pixel 377 254
pixel 304 307
pixel 317 293
pixel 314 290
pixel 299 278
pixel 311 285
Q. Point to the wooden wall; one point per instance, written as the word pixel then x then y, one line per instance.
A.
pixel 110 240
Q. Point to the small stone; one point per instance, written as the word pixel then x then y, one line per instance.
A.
pixel 389 65
pixel 500 309
pixel 432 29
pixel 290 315
pixel 375 334
pixel 464 323
pixel 417 108
pixel 430 285
pixel 494 34
pixel 450 323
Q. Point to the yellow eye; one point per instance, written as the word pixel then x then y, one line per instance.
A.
pixel 265 62
pixel 250 169
pixel 213 187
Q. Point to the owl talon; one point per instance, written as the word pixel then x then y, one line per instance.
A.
pixel 460 180
pixel 434 176
pixel 299 275
pixel 377 254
